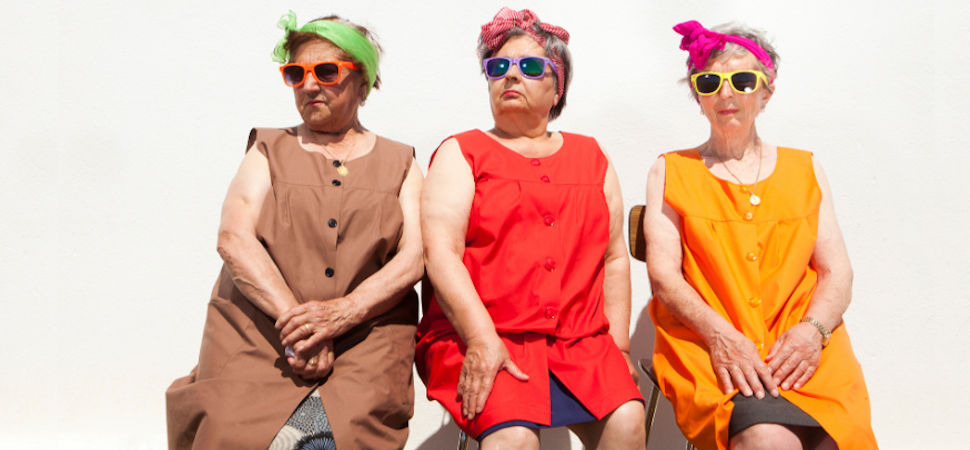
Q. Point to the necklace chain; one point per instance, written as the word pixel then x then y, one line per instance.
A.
pixel 752 197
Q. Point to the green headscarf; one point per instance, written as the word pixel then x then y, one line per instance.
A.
pixel 347 38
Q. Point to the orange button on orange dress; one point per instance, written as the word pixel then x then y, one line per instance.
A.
pixel 535 246
pixel 753 265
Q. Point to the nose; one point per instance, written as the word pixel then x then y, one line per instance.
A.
pixel 310 83
pixel 727 89
pixel 517 74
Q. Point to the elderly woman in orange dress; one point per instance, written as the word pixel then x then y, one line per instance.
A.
pixel 528 327
pixel 309 336
pixel 749 271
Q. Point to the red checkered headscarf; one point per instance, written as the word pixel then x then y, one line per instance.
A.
pixel 494 35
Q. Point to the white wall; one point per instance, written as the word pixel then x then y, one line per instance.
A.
pixel 122 123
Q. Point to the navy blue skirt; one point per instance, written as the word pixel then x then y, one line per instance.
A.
pixel 565 410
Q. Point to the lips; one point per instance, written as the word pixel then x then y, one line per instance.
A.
pixel 727 111
pixel 511 93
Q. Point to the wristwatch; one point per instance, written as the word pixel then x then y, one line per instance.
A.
pixel 826 334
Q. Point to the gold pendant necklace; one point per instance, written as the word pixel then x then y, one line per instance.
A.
pixel 752 196
pixel 342 169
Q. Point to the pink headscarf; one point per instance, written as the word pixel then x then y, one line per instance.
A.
pixel 493 35
pixel 700 42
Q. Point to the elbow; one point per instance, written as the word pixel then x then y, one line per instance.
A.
pixel 228 243
pixel 414 269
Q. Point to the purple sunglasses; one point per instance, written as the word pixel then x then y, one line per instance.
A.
pixel 532 67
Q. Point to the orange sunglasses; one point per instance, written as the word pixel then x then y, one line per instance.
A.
pixel 325 72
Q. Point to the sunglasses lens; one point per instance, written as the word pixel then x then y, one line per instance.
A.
pixel 496 67
pixel 327 72
pixel 532 67
pixel 707 83
pixel 293 75
pixel 745 82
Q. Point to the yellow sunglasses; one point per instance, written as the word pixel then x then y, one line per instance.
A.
pixel 742 81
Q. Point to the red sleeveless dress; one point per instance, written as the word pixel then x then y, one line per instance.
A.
pixel 537 236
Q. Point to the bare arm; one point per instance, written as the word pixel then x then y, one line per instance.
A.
pixel 252 269
pixel 446 204
pixel 616 279
pixel 312 322
pixel 795 356
pixel 734 357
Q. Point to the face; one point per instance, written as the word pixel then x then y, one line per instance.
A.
pixel 327 108
pixel 517 94
pixel 727 108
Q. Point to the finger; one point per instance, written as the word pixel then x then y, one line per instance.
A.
pixel 737 376
pixel 795 375
pixel 296 324
pixel 297 334
pixel 805 377
pixel 785 368
pixel 482 396
pixel 764 375
pixel 514 370
pixel 773 350
pixel 287 316
pixel 297 364
pixel 754 381
pixel 724 378
pixel 461 384
pixel 781 354
pixel 310 343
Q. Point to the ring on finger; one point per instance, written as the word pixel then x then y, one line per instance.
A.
pixel 312 362
pixel 306 326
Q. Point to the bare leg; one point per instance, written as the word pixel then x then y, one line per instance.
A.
pixel 766 436
pixel 621 429
pixel 511 438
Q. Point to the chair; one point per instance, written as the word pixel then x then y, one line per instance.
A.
pixel 638 249
pixel 462 440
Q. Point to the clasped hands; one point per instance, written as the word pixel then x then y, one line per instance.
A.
pixel 309 329
pixel 790 362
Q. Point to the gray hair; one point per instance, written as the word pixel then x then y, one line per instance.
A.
pixel 730 48
pixel 555 49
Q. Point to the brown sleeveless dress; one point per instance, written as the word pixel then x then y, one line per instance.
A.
pixel 326 233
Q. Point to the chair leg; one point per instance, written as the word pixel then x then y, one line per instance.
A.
pixel 462 440
pixel 651 412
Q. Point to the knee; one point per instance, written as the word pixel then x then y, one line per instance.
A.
pixel 765 436
pixel 628 419
pixel 512 437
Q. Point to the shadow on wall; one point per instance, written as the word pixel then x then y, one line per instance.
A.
pixel 447 438
pixel 664 434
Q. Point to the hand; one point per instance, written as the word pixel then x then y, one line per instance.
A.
pixel 482 362
pixel 737 363
pixel 795 356
pixel 629 365
pixel 317 363
pixel 307 325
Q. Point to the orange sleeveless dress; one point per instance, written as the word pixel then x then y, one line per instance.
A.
pixel 753 265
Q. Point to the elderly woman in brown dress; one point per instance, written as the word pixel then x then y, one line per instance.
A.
pixel 309 337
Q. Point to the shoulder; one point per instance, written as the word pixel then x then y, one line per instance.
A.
pixel 390 145
pixel 265 138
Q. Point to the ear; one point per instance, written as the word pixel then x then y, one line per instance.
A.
pixel 766 95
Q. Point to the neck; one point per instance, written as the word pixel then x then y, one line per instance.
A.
pixel 732 144
pixel 512 126
pixel 337 135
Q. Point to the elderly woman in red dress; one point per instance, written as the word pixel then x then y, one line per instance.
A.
pixel 528 327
